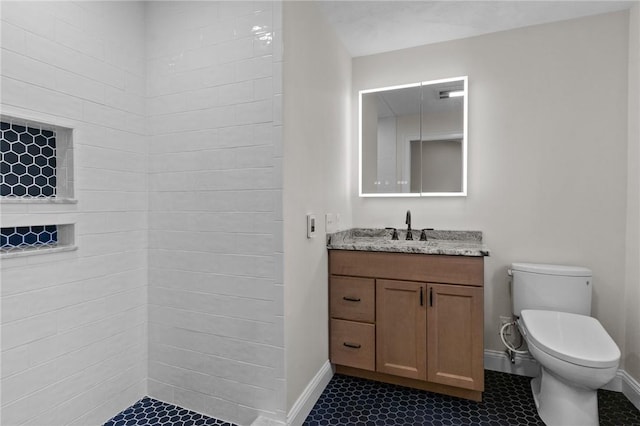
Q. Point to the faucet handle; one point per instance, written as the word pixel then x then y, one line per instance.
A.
pixel 423 234
pixel 395 233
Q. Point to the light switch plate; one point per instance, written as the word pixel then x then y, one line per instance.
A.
pixel 330 222
pixel 311 225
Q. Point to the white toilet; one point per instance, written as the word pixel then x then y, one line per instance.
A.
pixel 552 305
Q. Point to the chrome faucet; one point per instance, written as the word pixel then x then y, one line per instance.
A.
pixel 408 222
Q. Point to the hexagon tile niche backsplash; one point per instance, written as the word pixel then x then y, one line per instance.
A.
pixel 28 237
pixel 28 161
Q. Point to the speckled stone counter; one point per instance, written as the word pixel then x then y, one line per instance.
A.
pixel 454 243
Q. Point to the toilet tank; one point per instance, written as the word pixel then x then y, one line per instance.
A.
pixel 551 288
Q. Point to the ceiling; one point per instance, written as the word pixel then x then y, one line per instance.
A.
pixel 368 27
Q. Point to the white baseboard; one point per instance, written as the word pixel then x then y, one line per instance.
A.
pixel 527 366
pixel 499 361
pixel 630 388
pixel 265 421
pixel 305 402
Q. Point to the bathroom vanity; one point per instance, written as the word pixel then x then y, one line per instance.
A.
pixel 408 312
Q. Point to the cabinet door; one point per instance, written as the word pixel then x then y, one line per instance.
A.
pixel 401 329
pixel 455 342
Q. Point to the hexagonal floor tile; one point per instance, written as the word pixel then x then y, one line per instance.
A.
pixel 507 400
pixel 149 411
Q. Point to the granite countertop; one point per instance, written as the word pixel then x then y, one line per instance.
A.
pixel 454 243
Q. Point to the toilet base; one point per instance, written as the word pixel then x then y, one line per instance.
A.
pixel 562 404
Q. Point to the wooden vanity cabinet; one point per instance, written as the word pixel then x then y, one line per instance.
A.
pixel 409 319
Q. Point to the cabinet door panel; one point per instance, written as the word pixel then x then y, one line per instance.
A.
pixel 455 338
pixel 401 329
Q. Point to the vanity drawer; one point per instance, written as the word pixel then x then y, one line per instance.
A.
pixel 353 344
pixel 352 298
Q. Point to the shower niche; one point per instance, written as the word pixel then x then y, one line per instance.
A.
pixel 36 161
pixel 36 165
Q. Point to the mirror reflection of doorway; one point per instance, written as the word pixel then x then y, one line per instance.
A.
pixel 438 161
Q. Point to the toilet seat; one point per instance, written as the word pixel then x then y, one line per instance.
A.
pixel 574 338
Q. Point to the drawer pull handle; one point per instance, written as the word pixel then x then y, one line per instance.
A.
pixel 351 299
pixel 352 345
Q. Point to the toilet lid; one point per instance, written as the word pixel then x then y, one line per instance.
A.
pixel 574 338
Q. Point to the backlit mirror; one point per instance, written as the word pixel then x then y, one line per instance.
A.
pixel 413 139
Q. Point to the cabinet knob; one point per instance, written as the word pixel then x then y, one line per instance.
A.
pixel 351 299
pixel 352 345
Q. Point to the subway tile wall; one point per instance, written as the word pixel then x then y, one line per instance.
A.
pixel 74 324
pixel 215 192
pixel 176 111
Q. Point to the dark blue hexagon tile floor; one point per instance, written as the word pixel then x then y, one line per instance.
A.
pixel 349 401
pixel 506 401
pixel 151 412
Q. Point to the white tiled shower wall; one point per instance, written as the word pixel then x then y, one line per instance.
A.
pixel 215 250
pixel 177 115
pixel 74 324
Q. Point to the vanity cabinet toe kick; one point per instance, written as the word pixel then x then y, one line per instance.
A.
pixel 414 320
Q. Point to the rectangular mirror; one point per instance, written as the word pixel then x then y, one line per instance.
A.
pixel 413 139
